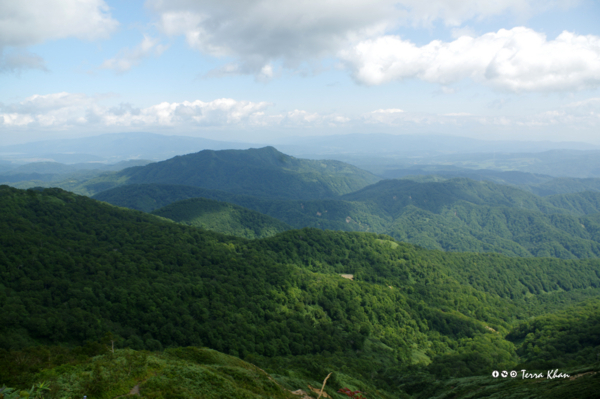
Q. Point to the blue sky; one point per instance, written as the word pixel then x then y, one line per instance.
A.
pixel 263 71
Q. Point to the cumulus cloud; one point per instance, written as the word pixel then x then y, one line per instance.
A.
pixel 25 23
pixel 516 60
pixel 66 111
pixel 75 112
pixel 258 32
pixel 128 58
pixel 577 115
pixel 16 61
pixel 455 12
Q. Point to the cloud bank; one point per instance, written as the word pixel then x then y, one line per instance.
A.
pixel 515 60
pixel 73 111
pixel 25 23
pixel 259 32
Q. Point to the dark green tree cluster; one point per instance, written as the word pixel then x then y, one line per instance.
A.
pixel 457 215
pixel 223 218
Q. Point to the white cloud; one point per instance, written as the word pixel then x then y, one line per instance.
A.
pixel 68 111
pixel 128 58
pixel 455 12
pixel 25 23
pixel 301 118
pixel 516 60
pixel 16 61
pixel 388 111
pixel 73 112
pixel 580 115
pixel 258 32
pixel 38 104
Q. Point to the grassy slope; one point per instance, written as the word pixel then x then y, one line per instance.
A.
pixel 175 373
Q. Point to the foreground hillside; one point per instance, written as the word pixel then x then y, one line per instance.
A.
pixel 263 172
pixel 389 318
pixel 97 372
pixel 453 215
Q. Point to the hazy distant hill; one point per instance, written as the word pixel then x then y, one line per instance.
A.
pixel 557 163
pixel 395 195
pixel 539 184
pixel 496 176
pixel 413 145
pixel 263 172
pixel 54 174
pixel 114 147
pixel 33 172
pixel 222 217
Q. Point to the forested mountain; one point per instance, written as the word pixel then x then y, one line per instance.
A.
pixel 453 215
pixel 565 185
pixel 73 269
pixel 263 172
pixel 448 172
pixel 222 217
pixel 149 197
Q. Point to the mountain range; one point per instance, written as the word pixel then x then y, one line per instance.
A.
pixel 387 318
pixel 228 279
pixel 453 215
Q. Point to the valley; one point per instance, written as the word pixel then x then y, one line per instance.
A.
pixel 452 278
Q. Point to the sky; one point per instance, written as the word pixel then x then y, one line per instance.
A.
pixel 269 70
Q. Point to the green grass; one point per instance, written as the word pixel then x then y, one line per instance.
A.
pixel 175 373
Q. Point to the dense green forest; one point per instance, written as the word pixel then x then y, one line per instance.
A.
pixel 451 215
pixel 389 318
pixel 222 217
pixel 434 212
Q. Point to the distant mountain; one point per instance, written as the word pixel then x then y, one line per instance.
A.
pixel 113 148
pixel 539 184
pixel 412 145
pixel 263 172
pixel 565 185
pixel 448 172
pixel 50 174
pixel 556 163
pixel 394 195
pixel 222 217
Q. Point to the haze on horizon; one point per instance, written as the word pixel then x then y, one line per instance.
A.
pixel 261 71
